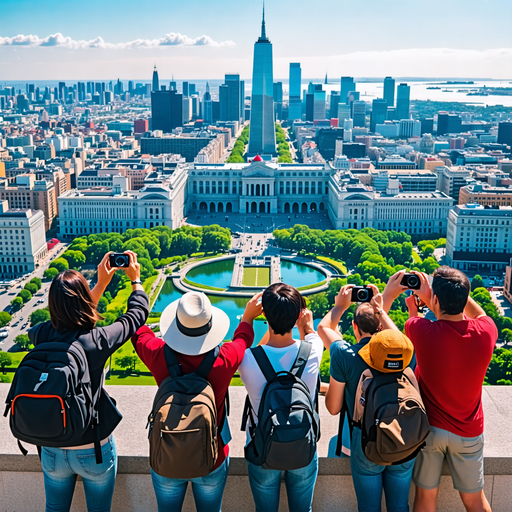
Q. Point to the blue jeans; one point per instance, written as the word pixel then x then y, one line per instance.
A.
pixel 266 487
pixel 60 470
pixel 208 490
pixel 370 479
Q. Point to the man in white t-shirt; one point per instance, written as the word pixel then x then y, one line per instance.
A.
pixel 283 307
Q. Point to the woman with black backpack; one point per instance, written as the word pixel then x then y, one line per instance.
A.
pixel 85 416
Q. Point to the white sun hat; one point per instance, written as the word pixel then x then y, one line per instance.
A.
pixel 192 326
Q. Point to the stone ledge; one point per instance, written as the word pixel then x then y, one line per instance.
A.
pixel 132 444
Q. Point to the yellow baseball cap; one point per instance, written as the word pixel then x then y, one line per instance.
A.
pixel 388 351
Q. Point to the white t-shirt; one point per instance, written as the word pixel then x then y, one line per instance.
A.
pixel 282 359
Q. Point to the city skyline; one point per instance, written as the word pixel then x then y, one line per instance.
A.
pixel 47 42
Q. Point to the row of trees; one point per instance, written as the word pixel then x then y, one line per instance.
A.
pixel 237 155
pixel 283 148
pixel 155 247
pixel 25 295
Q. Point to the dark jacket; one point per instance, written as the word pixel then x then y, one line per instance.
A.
pixel 99 344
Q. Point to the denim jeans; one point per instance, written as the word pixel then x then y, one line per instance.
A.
pixel 266 487
pixel 207 490
pixel 370 479
pixel 60 470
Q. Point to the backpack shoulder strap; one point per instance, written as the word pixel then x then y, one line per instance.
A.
pixel 207 363
pixel 263 362
pixel 412 378
pixel 172 362
pixel 302 358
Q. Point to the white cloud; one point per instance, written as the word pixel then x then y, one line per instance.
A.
pixel 171 39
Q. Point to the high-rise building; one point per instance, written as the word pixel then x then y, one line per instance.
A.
pixel 278 99
pixel 427 125
pixel 359 113
pixel 262 137
pixel 448 123
pixel 295 80
pixel 172 85
pixel 310 107
pixel 319 105
pixel 207 105
pixel 166 110
pixel 231 98
pixel 347 85
pixel 403 96
pixel 295 102
pixel 379 113
pixel 389 91
pixel 505 133
pixel 343 113
pixel 333 106
pixel 185 89
pixel 156 83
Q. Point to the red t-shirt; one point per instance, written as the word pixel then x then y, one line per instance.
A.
pixel 452 360
pixel 151 350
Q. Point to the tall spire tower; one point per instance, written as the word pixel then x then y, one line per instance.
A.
pixel 262 136
pixel 156 83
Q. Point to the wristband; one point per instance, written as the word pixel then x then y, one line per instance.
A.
pixel 137 281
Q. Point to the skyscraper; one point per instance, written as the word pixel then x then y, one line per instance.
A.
pixel 172 85
pixel 262 136
pixel 359 113
pixel 295 103
pixel 207 105
pixel 379 113
pixel 347 85
pixel 333 106
pixel 232 97
pixel 166 110
pixel 389 91
pixel 156 83
pixel 185 89
pixel 403 94
pixel 278 99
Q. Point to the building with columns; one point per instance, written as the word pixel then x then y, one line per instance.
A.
pixel 353 205
pixel 258 187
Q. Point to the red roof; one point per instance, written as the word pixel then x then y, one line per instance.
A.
pixel 257 158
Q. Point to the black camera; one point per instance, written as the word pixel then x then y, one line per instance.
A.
pixel 412 281
pixel 119 259
pixel 361 294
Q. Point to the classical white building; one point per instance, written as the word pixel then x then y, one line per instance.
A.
pixel 479 237
pixel 105 210
pixel 356 206
pixel 22 240
pixel 259 187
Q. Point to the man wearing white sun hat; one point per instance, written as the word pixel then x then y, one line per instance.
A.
pixel 193 329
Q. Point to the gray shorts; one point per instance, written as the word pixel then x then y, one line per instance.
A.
pixel 464 455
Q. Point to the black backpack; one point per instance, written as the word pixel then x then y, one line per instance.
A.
pixel 288 428
pixel 53 383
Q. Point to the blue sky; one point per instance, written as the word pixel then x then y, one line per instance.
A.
pixel 107 39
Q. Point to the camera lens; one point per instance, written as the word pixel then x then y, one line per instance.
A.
pixel 362 295
pixel 412 281
pixel 120 261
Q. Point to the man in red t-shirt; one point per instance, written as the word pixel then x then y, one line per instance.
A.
pixel 452 355
pixel 191 326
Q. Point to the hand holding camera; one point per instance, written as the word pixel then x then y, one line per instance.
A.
pixel 305 323
pixel 343 299
pixel 133 268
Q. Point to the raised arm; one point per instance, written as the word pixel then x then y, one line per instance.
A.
pixel 393 290
pixel 328 327
pixel 474 310
pixel 377 304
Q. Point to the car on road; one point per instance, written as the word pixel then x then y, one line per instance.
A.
pixel 24 325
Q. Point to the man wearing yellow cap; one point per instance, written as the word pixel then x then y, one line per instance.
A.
pixel 348 362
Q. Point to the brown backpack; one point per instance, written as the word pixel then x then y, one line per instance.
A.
pixel 183 441
pixel 390 413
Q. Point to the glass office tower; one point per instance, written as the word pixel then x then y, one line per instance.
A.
pixel 262 136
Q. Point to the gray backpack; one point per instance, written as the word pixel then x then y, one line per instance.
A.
pixel 288 428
